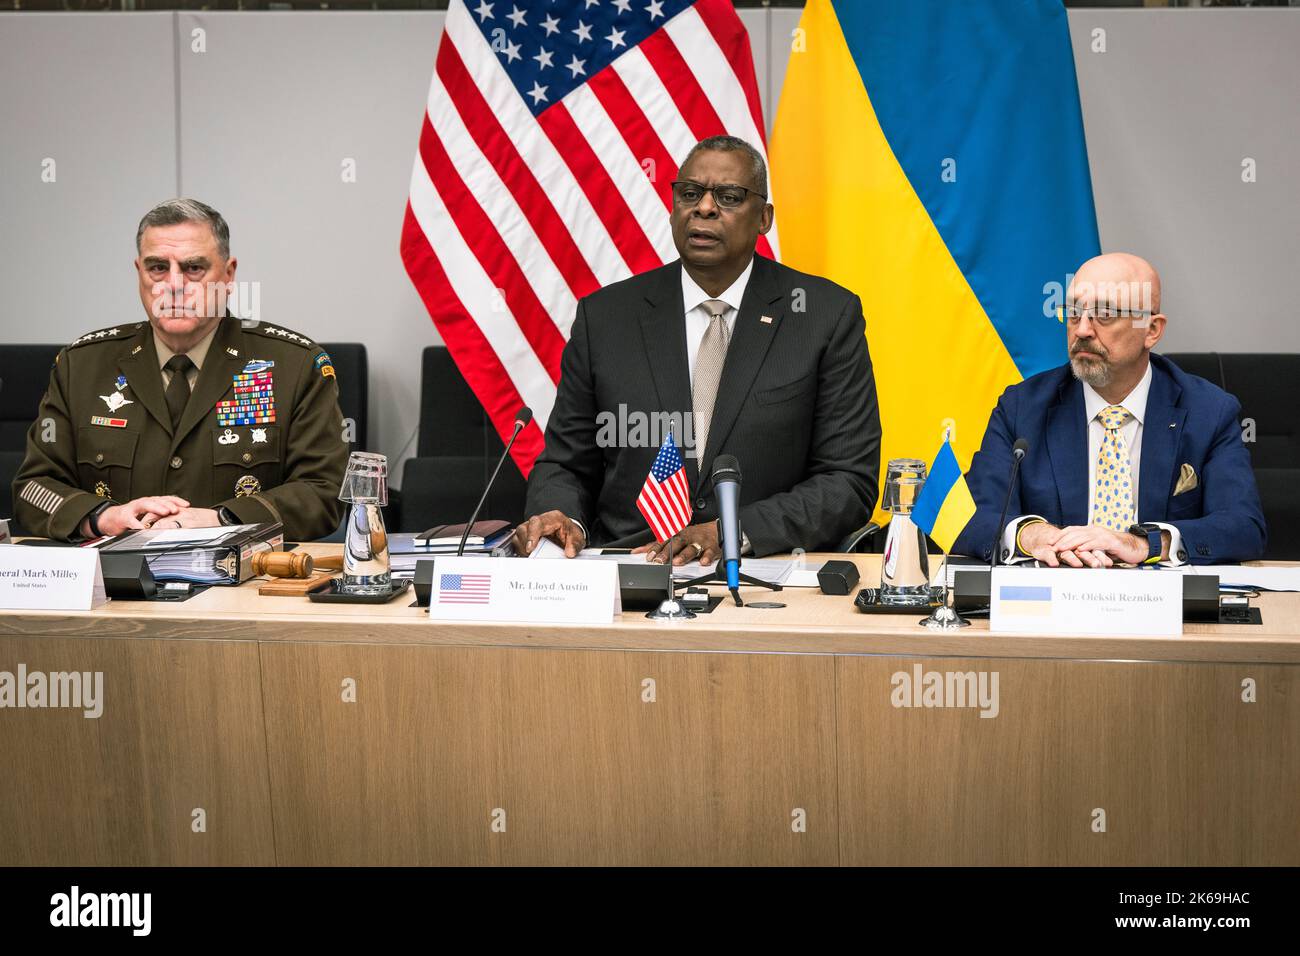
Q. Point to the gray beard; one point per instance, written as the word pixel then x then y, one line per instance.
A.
pixel 1095 373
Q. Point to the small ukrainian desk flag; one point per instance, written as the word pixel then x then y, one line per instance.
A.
pixel 945 504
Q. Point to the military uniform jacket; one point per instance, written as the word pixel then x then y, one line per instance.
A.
pixel 104 432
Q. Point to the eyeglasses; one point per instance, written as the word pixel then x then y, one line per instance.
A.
pixel 727 195
pixel 1100 315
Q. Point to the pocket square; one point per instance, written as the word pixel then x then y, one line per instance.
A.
pixel 1186 480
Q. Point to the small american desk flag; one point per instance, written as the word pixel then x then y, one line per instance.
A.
pixel 665 500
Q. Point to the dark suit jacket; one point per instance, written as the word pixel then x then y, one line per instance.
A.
pixel 796 405
pixel 1188 420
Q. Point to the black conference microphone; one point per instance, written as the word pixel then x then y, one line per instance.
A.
pixel 522 418
pixel 726 489
pixel 1017 453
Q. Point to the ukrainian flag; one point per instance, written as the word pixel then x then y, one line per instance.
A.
pixel 945 504
pixel 929 155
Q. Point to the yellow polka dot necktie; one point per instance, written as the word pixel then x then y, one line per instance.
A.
pixel 1112 491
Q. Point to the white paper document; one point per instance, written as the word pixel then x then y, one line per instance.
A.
pixel 174 536
pixel 1260 579
pixel 772 570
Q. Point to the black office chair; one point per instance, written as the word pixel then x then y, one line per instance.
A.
pixel 456 451
pixel 1208 365
pixel 866 540
pixel 352 370
pixel 1264 384
pixel 444 489
pixel 24 376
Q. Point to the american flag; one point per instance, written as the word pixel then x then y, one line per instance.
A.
pixel 464 588
pixel 552 133
pixel 665 499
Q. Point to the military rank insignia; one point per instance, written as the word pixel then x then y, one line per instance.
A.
pixel 254 401
pixel 247 485
pixel 325 364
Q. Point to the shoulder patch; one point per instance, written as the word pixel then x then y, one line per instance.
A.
pixel 325 364
pixel 279 334
pixel 115 332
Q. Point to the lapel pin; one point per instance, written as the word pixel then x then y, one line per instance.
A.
pixel 766 320
pixel 234 352
pixel 136 349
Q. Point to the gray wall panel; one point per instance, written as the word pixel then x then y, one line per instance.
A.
pixel 270 112
pixel 96 94
pixel 1171 108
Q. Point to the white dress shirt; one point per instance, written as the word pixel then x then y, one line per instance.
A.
pixel 1135 403
pixel 697 320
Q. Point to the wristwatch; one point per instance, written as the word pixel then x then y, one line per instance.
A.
pixel 226 516
pixel 1152 532
pixel 93 518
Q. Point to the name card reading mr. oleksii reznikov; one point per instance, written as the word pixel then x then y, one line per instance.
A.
pixel 50 579
pixel 1105 601
pixel 516 589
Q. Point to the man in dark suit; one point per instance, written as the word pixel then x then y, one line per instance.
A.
pixel 752 359
pixel 1131 460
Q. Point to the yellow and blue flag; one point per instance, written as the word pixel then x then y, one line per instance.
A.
pixel 930 156
pixel 945 504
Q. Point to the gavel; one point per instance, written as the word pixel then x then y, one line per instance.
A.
pixel 293 564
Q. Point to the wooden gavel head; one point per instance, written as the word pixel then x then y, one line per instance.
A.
pixel 283 564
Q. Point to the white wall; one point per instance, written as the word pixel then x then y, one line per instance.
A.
pixel 259 124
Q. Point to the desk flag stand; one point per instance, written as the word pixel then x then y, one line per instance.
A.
pixel 670 465
pixel 942 509
pixel 944 617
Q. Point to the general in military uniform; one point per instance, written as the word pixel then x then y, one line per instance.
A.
pixel 191 419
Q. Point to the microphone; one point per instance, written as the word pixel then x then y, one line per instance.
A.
pixel 726 489
pixel 1018 451
pixel 522 418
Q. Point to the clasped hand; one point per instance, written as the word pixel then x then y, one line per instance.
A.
pixel 1081 546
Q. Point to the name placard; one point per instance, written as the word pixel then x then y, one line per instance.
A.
pixel 1102 601
pixel 519 589
pixel 50 579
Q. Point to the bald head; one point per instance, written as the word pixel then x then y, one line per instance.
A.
pixel 1124 276
pixel 1114 321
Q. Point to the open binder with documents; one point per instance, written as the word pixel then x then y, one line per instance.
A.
pixel 200 555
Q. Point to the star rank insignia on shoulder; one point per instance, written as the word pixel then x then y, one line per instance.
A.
pixel 107 335
pixel 283 335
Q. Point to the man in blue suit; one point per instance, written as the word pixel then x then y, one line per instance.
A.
pixel 1130 460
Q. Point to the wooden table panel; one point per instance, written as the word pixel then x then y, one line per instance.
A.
pixel 1185 772
pixel 562 742
pixel 181 729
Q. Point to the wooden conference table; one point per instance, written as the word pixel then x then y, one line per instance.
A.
pixel 747 736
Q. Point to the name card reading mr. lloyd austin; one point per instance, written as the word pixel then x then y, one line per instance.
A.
pixel 50 579
pixel 518 589
pixel 1106 601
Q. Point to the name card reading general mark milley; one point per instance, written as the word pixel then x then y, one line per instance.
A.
pixel 50 579
pixel 1108 601
pixel 518 589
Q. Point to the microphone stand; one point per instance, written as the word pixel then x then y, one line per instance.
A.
pixel 719 576
pixel 520 422
pixel 1002 518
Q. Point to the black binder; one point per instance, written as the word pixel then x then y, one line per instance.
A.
pixel 226 559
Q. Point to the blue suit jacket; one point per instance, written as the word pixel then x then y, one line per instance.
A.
pixel 1188 420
